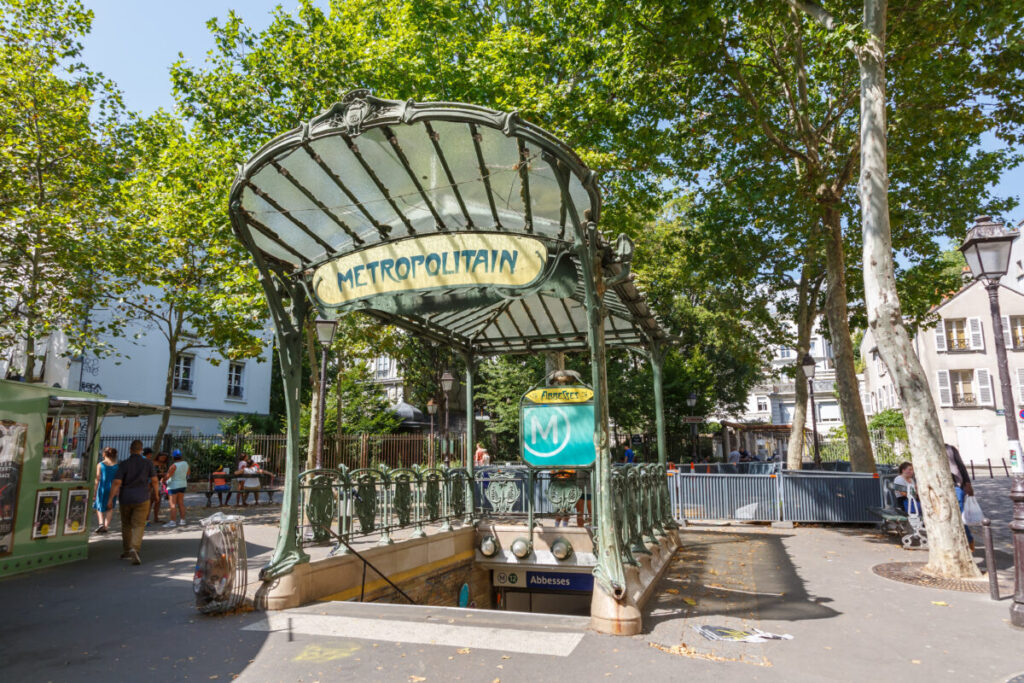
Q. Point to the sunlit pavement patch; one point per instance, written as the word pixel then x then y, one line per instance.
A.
pixel 418 632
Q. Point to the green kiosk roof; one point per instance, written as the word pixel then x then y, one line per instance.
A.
pixel 457 222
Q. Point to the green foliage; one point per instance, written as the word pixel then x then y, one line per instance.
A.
pixel 891 421
pixel 364 406
pixel 60 162
pixel 204 457
pixel 249 423
pixel 503 381
pixel 180 270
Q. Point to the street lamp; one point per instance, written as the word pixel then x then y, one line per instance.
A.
pixel 325 333
pixel 809 367
pixel 447 382
pixel 691 401
pixel 987 250
pixel 432 410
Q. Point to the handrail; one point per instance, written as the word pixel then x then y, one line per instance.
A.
pixel 362 588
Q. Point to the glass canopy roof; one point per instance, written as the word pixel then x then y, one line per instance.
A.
pixel 371 172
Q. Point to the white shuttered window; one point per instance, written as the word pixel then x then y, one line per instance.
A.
pixel 940 338
pixel 974 330
pixel 983 380
pixel 945 391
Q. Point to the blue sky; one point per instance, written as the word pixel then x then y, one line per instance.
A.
pixel 134 42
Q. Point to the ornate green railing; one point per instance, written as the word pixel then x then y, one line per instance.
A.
pixel 368 502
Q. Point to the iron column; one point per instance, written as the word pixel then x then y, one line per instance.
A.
pixel 1013 436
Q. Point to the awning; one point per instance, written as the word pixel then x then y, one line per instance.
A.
pixel 112 407
pixel 425 214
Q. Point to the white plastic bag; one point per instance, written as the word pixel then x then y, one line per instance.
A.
pixel 972 514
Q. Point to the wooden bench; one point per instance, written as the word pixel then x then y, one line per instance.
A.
pixel 269 490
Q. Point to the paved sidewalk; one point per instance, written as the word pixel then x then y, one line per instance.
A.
pixel 103 619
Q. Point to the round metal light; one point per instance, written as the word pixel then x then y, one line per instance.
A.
pixel 325 330
pixel 432 407
pixel 489 546
pixel 809 366
pixel 521 548
pixel 691 400
pixel 561 549
pixel 447 381
pixel 987 248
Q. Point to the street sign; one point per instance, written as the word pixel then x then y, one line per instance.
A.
pixel 1000 412
pixel 636 439
pixel 692 420
pixel 556 427
pixel 562 581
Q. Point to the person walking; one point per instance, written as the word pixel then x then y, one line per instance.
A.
pixel 134 483
pixel 162 463
pixel 105 471
pixel 177 482
pixel 962 484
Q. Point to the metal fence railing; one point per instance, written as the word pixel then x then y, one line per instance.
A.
pixel 751 497
pixel 206 452
pixel 776 495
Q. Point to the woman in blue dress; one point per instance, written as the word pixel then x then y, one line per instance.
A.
pixel 105 471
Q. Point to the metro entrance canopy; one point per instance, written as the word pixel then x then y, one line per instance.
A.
pixel 464 225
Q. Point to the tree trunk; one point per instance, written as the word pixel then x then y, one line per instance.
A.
pixel 554 360
pixel 948 555
pixel 30 354
pixel 165 414
pixel 314 403
pixel 862 458
pixel 806 313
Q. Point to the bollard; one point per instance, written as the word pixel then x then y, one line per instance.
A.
pixel 1005 468
pixel 990 475
pixel 990 559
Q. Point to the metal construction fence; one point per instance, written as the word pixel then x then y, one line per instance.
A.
pixel 776 495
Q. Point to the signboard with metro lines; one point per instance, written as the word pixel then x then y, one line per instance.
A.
pixel 558 432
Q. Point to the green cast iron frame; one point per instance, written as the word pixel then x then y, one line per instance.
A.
pixel 615 310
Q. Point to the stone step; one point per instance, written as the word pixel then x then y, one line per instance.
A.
pixel 527 633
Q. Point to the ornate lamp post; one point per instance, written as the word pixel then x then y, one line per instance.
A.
pixel 447 382
pixel 432 410
pixel 987 250
pixel 809 367
pixel 325 333
pixel 691 401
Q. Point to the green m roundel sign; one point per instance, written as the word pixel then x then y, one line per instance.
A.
pixel 556 427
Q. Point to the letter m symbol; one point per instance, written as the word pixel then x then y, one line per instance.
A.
pixel 552 429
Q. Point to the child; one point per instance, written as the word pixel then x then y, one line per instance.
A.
pixel 220 485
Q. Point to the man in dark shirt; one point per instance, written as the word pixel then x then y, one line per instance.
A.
pixel 135 483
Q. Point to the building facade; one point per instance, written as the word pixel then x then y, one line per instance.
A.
pixel 959 358
pixel 206 388
pixel 772 402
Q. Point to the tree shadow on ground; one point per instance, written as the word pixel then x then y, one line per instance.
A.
pixel 748 576
pixel 104 619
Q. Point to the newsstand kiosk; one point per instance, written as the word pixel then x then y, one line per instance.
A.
pixel 49 446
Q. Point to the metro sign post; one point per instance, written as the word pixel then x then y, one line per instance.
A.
pixel 556 427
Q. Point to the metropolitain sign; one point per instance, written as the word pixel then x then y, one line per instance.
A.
pixel 432 262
